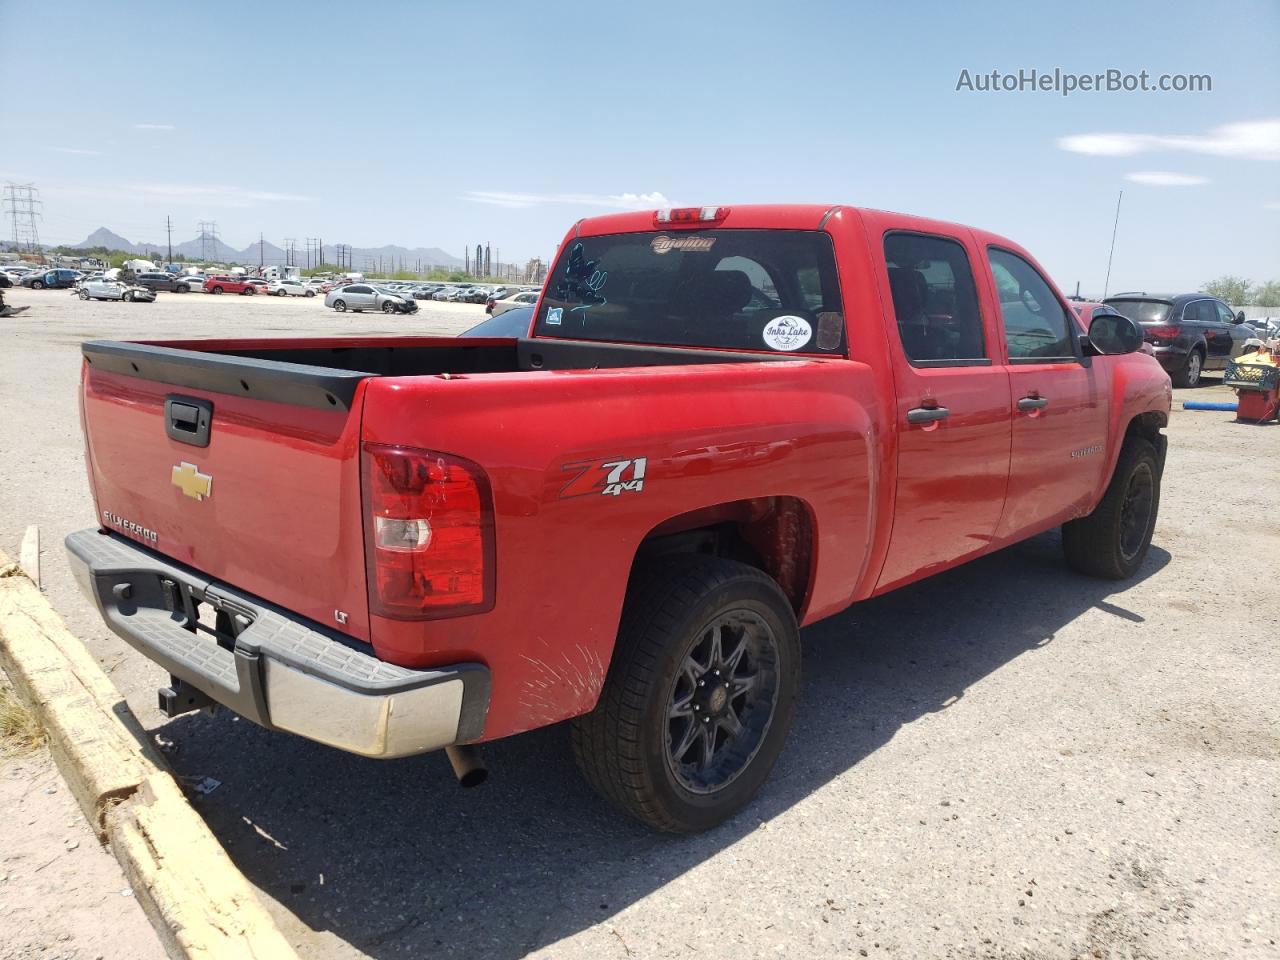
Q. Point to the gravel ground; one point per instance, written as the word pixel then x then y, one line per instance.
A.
pixel 1007 760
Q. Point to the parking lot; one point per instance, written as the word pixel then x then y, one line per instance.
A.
pixel 1007 760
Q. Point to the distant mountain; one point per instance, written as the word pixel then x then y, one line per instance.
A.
pixel 391 256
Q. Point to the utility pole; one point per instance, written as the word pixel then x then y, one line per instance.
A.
pixel 1114 227
pixel 289 243
pixel 23 201
pixel 260 248
pixel 320 259
pixel 168 228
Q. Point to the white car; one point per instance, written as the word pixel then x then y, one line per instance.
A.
pixel 115 290
pixel 290 288
pixel 510 303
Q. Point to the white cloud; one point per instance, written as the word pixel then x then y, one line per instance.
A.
pixel 1273 205
pixel 1251 140
pixel 613 201
pixel 153 126
pixel 77 151
pixel 1158 178
pixel 206 196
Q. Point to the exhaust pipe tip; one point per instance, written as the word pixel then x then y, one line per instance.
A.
pixel 468 765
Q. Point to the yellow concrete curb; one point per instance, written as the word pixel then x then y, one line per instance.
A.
pixel 196 898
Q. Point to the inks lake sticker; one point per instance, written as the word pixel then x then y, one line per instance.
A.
pixel 787 333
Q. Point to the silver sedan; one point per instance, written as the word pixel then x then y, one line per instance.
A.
pixel 359 297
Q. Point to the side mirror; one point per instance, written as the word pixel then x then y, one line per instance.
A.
pixel 1110 334
pixel 1240 317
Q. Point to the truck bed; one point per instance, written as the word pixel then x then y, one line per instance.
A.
pixel 324 373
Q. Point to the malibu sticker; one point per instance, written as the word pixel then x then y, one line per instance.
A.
pixel 787 333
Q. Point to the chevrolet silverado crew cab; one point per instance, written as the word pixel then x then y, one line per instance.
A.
pixel 723 424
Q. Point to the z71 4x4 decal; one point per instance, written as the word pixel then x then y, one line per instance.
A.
pixel 610 477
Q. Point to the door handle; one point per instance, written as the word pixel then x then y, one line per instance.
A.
pixel 927 414
pixel 1033 403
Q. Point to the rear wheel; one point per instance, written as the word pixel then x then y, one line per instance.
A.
pixel 216 290
pixel 1189 375
pixel 699 697
pixel 340 306
pixel 1113 541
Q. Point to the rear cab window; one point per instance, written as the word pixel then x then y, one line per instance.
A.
pixel 762 290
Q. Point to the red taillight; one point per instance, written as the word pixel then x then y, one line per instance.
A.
pixel 691 215
pixel 429 549
pixel 1161 333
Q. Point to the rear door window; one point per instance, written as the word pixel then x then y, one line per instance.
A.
pixel 768 290
pixel 935 300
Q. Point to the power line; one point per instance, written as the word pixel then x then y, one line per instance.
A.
pixel 23 201
pixel 208 238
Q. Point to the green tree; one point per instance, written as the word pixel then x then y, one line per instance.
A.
pixel 1234 290
pixel 1267 294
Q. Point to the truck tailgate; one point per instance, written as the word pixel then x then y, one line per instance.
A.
pixel 268 501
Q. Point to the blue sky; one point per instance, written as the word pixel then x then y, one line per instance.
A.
pixel 446 124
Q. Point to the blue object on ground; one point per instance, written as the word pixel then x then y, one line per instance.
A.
pixel 1201 405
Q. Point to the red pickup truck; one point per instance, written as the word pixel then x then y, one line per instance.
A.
pixel 724 424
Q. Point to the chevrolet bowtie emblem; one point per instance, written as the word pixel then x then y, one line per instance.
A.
pixel 191 481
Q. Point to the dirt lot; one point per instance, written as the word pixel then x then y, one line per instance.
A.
pixel 1008 760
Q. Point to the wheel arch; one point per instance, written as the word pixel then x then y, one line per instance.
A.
pixel 774 534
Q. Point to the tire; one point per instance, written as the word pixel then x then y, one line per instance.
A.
pixel 247 292
pixel 127 296
pixel 1189 375
pixel 182 288
pixel 216 290
pixel 340 306
pixel 628 746
pixel 84 294
pixel 310 293
pixel 1113 541
pixel 282 292
pixel 388 307
pixel 37 284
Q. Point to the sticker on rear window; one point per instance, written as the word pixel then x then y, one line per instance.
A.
pixel 554 315
pixel 663 243
pixel 787 333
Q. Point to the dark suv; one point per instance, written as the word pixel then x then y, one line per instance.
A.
pixel 166 281
pixel 1191 332
pixel 59 279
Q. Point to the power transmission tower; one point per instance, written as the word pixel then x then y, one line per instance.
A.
pixel 208 239
pixel 23 201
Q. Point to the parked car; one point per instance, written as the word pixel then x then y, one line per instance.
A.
pixel 317 285
pixel 166 281
pixel 496 308
pixel 477 295
pixel 59 279
pixel 229 283
pixel 101 289
pixel 259 285
pixel 290 288
pixel 510 323
pixel 1190 332
pixel 458 295
pixel 624 521
pixel 359 297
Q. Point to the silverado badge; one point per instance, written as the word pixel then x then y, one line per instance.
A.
pixel 187 478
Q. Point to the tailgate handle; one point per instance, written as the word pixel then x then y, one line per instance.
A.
pixel 188 419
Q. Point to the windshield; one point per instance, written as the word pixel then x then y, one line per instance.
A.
pixel 772 290
pixel 1142 311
